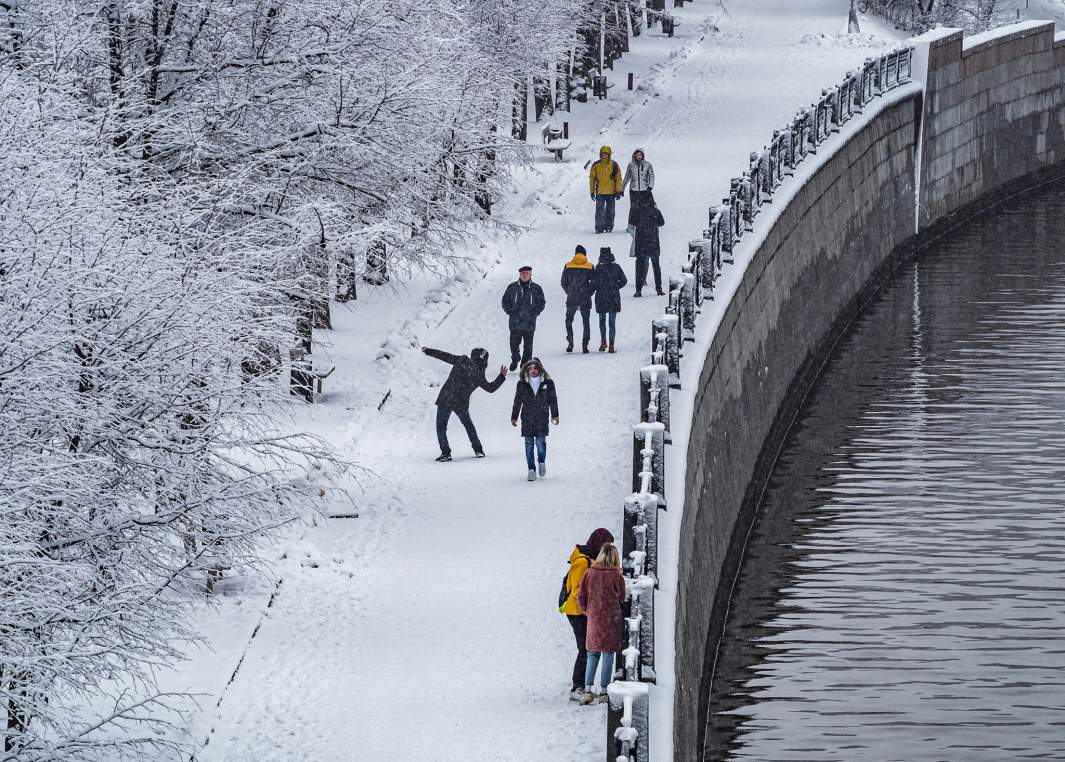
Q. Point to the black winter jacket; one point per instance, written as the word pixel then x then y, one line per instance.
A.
pixel 609 280
pixel 467 374
pixel 523 302
pixel 647 220
pixel 579 286
pixel 535 409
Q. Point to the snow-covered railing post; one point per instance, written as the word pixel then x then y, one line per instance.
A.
pixel 905 65
pixel 694 267
pixel 627 722
pixel 654 395
pixel 665 332
pixel 641 533
pixel 648 461
pixel 684 286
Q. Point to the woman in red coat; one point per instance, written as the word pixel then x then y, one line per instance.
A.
pixel 600 597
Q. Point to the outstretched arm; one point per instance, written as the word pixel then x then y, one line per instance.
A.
pixel 491 386
pixel 436 353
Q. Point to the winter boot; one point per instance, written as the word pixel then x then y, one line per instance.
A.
pixel 659 291
pixel 638 293
pixel 532 475
pixel 543 470
pixel 445 457
pixel 611 350
pixel 602 345
pixel 513 365
pixel 584 348
pixel 587 698
pixel 569 343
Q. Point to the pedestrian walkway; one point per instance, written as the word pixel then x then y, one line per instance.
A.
pixel 426 629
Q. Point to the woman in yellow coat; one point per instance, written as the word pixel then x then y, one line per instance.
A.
pixel 604 182
pixel 579 560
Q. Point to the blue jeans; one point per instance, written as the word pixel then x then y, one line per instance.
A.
pixel 443 414
pixel 604 318
pixel 541 450
pixel 608 668
pixel 604 213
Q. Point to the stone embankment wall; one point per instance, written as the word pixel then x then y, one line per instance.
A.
pixel 994 119
pixel 991 122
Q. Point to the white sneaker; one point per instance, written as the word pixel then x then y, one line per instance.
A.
pixel 575 694
pixel 532 475
pixel 543 470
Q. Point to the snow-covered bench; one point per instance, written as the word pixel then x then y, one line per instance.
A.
pixel 304 380
pixel 553 141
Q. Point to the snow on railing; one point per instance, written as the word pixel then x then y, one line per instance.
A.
pixel 728 222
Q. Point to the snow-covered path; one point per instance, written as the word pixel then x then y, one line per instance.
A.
pixel 427 629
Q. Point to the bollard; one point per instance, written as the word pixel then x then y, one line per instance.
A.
pixel 630 80
pixel 565 130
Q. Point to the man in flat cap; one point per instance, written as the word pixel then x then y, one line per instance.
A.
pixel 523 301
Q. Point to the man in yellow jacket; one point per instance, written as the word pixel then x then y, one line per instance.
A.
pixel 604 182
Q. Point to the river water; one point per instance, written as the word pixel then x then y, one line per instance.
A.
pixel 902 594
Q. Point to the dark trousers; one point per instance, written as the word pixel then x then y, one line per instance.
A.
pixel 580 632
pixel 606 318
pixel 443 414
pixel 517 339
pixel 604 213
pixel 641 271
pixel 586 314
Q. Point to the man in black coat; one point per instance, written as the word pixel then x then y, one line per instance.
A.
pixel 647 219
pixel 467 374
pixel 579 286
pixel 523 301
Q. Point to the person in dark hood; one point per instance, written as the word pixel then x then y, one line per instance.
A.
pixel 578 284
pixel 609 280
pixel 580 560
pixel 467 375
pixel 535 400
pixel 645 217
pixel 523 301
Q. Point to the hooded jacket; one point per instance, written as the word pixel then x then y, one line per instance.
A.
pixel 601 595
pixel 580 560
pixel 467 374
pixel 609 280
pixel 646 218
pixel 604 179
pixel 577 282
pixel 523 302
pixel 640 174
pixel 534 408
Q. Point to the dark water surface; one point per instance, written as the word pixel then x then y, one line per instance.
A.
pixel 902 596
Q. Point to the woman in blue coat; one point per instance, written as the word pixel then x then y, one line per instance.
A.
pixel 534 402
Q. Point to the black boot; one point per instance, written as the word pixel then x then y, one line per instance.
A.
pixel 569 343
pixel 445 457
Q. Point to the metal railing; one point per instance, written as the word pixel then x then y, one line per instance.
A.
pixel 728 222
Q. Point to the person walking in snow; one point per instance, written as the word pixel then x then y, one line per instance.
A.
pixel 467 375
pixel 646 219
pixel 579 286
pixel 609 279
pixel 523 301
pixel 534 401
pixel 580 560
pixel 604 182
pixel 600 597
pixel 639 177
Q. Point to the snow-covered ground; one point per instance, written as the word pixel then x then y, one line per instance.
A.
pixel 426 629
